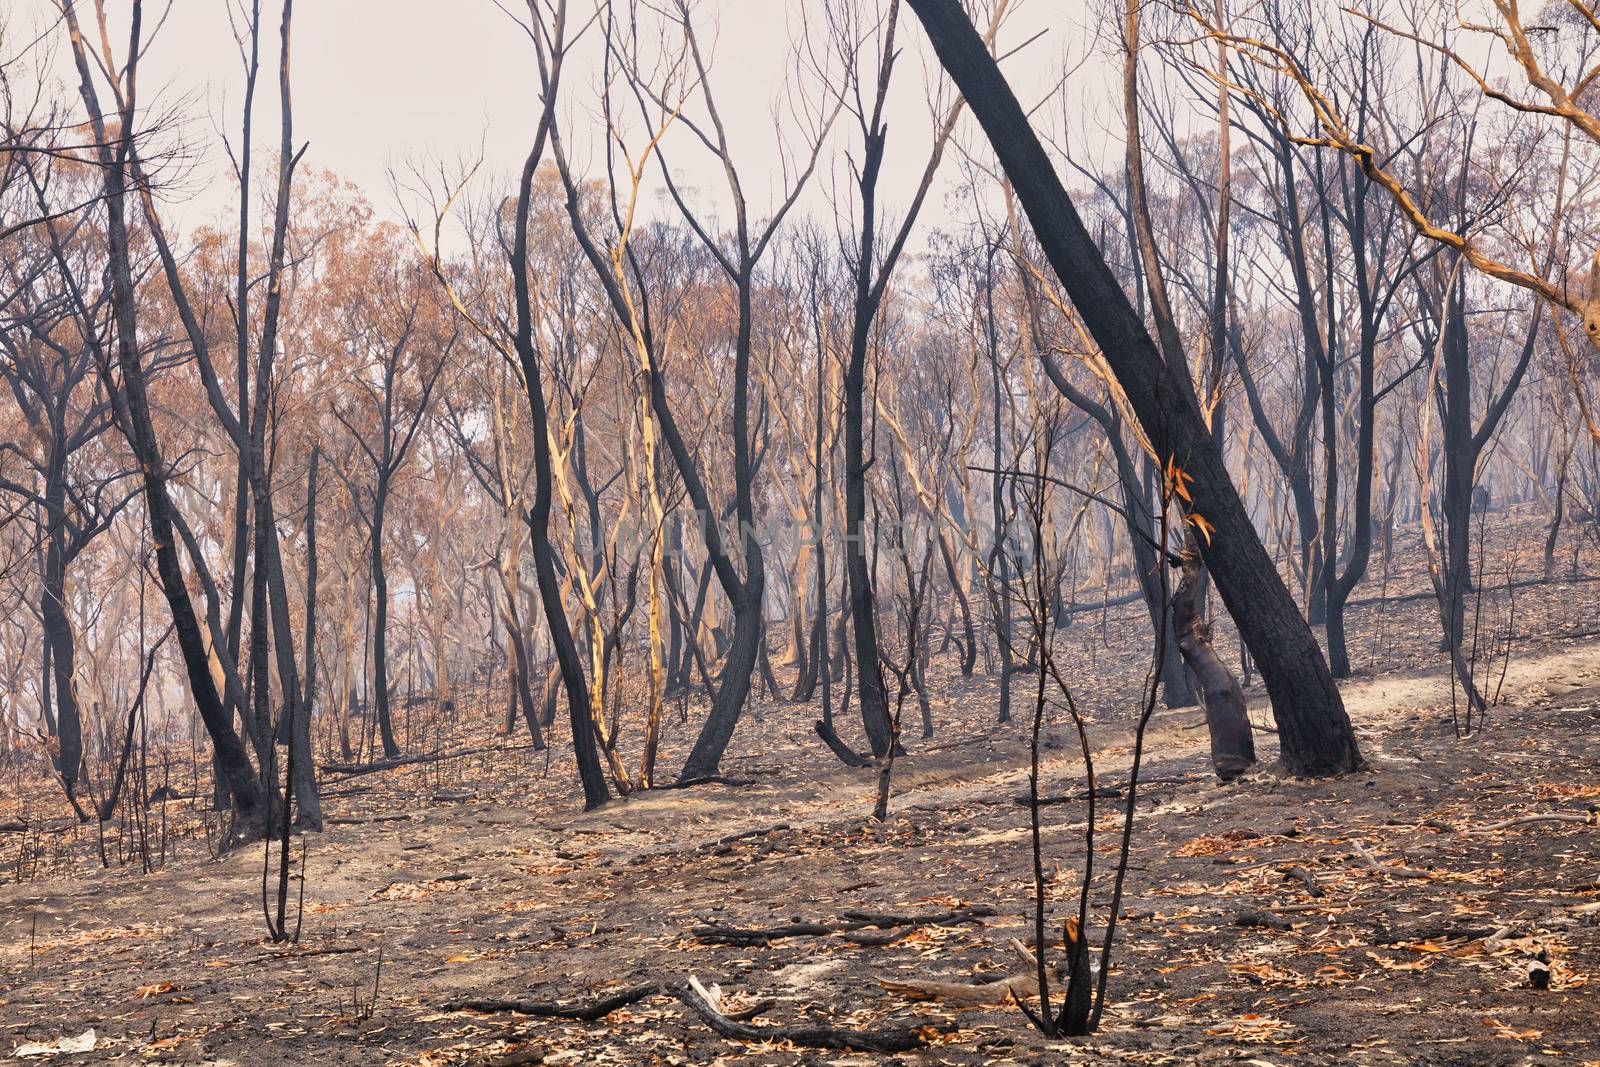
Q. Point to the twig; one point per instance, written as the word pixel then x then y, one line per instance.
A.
pixel 1372 863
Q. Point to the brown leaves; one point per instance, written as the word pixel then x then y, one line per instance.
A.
pixel 418 890
pixel 1216 844
pixel 1500 1029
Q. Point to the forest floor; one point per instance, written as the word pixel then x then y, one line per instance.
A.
pixel 1365 919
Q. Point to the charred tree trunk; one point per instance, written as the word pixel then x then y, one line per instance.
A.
pixel 870 690
pixel 380 626
pixel 590 771
pixel 1314 731
pixel 60 658
pixel 303 771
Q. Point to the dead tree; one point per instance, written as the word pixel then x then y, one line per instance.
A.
pixel 1314 731
pixel 126 381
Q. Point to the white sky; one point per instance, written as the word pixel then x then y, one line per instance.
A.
pixel 381 85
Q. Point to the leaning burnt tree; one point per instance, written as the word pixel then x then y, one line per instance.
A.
pixel 1314 731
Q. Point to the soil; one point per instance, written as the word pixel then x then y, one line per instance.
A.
pixel 1268 921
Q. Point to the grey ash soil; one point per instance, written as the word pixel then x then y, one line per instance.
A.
pixel 511 892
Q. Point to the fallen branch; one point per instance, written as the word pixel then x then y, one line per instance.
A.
pixel 1306 878
pixel 852 920
pixel 355 820
pixel 878 940
pixel 1526 820
pixel 889 1039
pixel 705 779
pixel 745 835
pixel 730 1025
pixel 1429 594
pixel 547 1009
pixel 1102 792
pixel 353 770
pixel 299 953
pixel 965 995
pixel 1437 933
pixel 1372 863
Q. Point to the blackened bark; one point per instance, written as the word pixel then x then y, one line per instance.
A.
pixel 231 758
pixel 302 768
pixel 380 626
pixel 1314 731
pixel 590 773
pixel 870 691
pixel 999 560
pixel 59 642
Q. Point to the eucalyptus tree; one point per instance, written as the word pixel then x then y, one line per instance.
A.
pixel 1314 731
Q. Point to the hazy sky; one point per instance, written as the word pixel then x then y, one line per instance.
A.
pixel 381 85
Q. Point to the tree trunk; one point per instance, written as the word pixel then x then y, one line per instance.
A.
pixel 380 629
pixel 590 773
pixel 1233 749
pixel 1314 731
pixel 870 692
pixel 308 815
pixel 59 643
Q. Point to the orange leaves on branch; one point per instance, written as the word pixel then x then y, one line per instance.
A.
pixel 1178 481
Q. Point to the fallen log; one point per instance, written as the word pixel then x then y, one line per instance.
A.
pixel 886 1039
pixel 548 1009
pixel 353 770
pixel 356 820
pixel 1435 933
pixel 744 835
pixel 951 918
pixel 704 779
pixel 1102 792
pixel 964 995
pixel 732 1025
pixel 852 920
